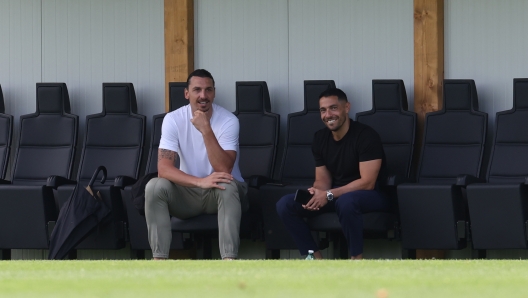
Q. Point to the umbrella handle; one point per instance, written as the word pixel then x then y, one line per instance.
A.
pixel 96 173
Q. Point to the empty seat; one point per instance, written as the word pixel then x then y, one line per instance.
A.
pixel 498 209
pixel 114 139
pixel 47 140
pixel 298 165
pixel 258 138
pixel 396 127
pixel 433 211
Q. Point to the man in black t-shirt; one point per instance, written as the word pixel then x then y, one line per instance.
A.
pixel 349 160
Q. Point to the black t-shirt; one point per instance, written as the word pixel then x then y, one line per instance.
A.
pixel 342 158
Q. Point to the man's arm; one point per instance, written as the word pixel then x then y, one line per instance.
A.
pixel 367 169
pixel 369 174
pixel 221 160
pixel 167 170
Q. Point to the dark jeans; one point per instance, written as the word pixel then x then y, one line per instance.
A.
pixel 349 208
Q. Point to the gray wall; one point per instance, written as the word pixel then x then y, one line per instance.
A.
pixel 286 42
pixel 82 43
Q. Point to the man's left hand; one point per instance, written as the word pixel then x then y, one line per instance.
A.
pixel 318 200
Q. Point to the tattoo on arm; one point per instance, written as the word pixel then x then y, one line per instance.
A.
pixel 166 154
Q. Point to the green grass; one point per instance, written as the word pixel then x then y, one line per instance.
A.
pixel 288 278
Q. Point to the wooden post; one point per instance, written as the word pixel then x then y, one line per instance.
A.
pixel 428 73
pixel 179 42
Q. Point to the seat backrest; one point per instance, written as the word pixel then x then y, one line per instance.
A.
pixel 114 138
pixel 259 129
pixel 6 135
pixel 176 95
pixel 152 162
pixel 454 136
pixel 395 125
pixel 509 157
pixel 176 101
pixel 298 165
pixel 47 138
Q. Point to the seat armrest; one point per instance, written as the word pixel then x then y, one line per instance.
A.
pixel 256 181
pixel 56 181
pixel 465 180
pixel 395 180
pixel 124 181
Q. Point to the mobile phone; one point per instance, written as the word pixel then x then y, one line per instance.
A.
pixel 302 196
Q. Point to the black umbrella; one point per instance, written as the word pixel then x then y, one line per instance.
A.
pixel 81 215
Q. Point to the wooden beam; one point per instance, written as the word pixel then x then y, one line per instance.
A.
pixel 428 72
pixel 179 42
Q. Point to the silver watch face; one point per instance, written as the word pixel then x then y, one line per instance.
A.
pixel 329 196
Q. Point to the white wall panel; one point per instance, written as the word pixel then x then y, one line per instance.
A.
pixel 287 42
pixel 239 40
pixel 20 54
pixel 485 40
pixel 351 42
pixel 87 43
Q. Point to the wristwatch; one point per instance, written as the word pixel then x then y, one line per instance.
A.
pixel 329 195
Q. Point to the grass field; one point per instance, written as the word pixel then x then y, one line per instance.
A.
pixel 288 278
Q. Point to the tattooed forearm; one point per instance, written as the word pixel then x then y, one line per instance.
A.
pixel 166 154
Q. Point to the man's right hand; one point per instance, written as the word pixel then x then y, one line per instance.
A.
pixel 212 180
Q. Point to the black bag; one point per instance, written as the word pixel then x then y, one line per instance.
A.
pixel 138 192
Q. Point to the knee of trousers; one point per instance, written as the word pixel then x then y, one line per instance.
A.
pixel 157 188
pixel 348 204
pixel 230 192
pixel 285 205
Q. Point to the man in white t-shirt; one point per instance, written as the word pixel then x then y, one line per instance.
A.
pixel 204 136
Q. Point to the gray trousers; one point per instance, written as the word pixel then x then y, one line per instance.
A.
pixel 164 198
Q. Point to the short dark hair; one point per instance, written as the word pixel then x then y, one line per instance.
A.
pixel 341 96
pixel 202 73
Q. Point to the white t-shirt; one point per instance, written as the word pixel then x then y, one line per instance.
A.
pixel 178 134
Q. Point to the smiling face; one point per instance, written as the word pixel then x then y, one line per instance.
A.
pixel 201 94
pixel 334 112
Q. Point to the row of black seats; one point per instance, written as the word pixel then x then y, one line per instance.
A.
pixel 44 159
pixel 445 204
pixel 451 205
pixel 433 211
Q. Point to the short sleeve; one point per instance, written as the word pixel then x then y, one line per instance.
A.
pixel 317 150
pixel 228 138
pixel 369 145
pixel 169 135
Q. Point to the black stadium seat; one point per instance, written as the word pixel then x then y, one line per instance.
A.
pixel 6 135
pixel 498 209
pixel 176 95
pixel 137 226
pixel 396 127
pixel 258 139
pixel 433 211
pixel 47 140
pixel 298 165
pixel 114 139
